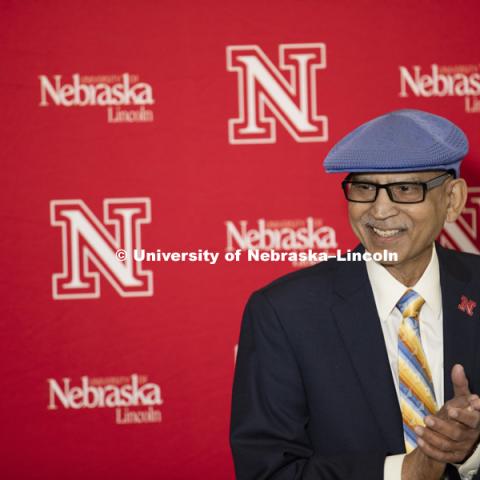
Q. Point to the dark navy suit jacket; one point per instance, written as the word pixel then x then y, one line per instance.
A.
pixel 313 395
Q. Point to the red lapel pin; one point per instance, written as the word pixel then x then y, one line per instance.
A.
pixel 466 305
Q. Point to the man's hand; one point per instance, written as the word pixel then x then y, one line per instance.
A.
pixel 451 435
pixel 418 466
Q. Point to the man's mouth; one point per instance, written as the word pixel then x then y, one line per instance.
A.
pixel 384 233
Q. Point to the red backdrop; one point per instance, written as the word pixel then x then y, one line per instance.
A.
pixel 179 126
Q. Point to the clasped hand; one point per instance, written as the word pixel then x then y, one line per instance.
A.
pixel 451 435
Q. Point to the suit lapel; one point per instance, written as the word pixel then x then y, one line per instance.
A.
pixel 357 320
pixel 459 328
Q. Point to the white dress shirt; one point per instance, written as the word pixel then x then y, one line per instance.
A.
pixel 387 291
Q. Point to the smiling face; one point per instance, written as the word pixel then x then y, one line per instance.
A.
pixel 407 229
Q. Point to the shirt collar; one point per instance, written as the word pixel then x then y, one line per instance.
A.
pixel 387 290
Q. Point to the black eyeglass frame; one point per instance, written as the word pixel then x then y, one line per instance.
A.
pixel 426 186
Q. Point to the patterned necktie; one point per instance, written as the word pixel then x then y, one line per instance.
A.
pixel 417 396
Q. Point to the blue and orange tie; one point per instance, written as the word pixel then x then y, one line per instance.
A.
pixel 417 396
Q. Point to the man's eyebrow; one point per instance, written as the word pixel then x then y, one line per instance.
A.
pixel 355 178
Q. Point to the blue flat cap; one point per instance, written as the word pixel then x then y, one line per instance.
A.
pixel 403 140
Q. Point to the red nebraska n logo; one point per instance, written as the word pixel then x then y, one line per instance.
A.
pixel 88 248
pixel 261 86
pixel 467 305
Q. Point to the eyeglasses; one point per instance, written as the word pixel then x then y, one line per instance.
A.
pixel 398 192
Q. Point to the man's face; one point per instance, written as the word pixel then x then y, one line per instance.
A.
pixel 407 229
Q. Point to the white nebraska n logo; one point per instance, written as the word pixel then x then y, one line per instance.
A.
pixel 260 85
pixel 86 243
pixel 463 234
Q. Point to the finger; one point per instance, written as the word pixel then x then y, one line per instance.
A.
pixel 456 402
pixel 459 381
pixel 475 402
pixel 451 430
pixel 439 442
pixel 449 448
pixel 469 418
pixel 439 455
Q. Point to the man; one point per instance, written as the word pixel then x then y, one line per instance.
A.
pixel 361 370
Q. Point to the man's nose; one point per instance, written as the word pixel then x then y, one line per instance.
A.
pixel 383 207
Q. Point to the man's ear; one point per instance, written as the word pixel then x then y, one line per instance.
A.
pixel 457 197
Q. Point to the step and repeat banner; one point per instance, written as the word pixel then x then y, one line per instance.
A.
pixel 162 160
